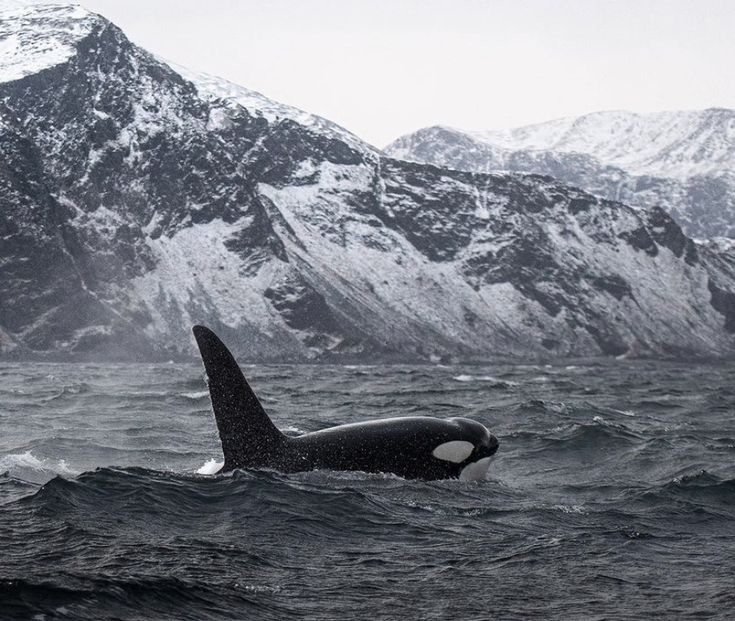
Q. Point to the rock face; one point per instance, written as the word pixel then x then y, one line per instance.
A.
pixel 137 199
pixel 683 162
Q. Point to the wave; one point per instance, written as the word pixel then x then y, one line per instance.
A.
pixel 73 390
pixel 321 501
pixel 494 381
pixel 570 440
pixel 196 396
pixel 692 494
pixel 595 441
pixel 116 597
pixel 703 481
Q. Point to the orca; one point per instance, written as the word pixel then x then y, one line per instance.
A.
pixel 413 447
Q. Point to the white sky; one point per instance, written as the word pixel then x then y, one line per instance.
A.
pixel 383 68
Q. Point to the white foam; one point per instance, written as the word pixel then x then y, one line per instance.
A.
pixel 27 461
pixel 212 466
pixel 482 378
pixel 579 509
pixel 195 395
pixel 292 429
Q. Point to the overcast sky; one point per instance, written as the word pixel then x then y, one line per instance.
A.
pixel 383 68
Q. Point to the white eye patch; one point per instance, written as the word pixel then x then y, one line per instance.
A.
pixel 455 451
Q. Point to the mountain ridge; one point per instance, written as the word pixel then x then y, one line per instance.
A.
pixel 134 206
pixel 676 143
pixel 620 161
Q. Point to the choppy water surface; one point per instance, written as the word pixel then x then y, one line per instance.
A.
pixel 612 496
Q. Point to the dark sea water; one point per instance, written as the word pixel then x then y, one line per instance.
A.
pixel 612 497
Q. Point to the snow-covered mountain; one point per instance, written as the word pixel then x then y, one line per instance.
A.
pixel 678 145
pixel 137 199
pixel 681 161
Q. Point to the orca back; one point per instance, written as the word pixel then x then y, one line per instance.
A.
pixel 401 446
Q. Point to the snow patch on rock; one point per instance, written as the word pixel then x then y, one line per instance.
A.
pixel 36 36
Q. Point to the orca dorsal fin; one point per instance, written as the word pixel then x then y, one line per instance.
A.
pixel 248 436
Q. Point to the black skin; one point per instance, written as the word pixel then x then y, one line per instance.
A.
pixel 402 446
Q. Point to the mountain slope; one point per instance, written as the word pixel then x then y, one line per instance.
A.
pixel 136 202
pixel 681 161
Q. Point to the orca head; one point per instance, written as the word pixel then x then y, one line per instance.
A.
pixel 470 450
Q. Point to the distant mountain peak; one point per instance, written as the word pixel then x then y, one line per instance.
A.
pixel 675 144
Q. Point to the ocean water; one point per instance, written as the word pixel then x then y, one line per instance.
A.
pixel 612 497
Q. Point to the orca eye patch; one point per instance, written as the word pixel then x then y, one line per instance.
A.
pixel 455 451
